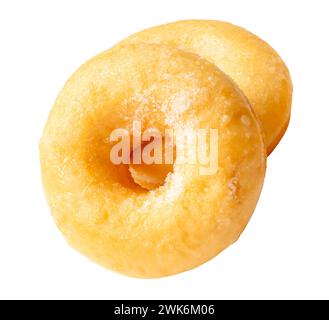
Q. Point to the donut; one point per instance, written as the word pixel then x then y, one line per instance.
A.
pixel 256 68
pixel 155 220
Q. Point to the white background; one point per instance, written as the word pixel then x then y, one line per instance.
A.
pixel 284 252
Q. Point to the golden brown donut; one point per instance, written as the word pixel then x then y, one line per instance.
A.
pixel 97 205
pixel 249 61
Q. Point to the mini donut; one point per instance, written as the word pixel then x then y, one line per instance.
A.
pixel 249 61
pixel 109 216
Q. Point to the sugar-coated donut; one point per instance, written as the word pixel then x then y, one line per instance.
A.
pixel 150 231
pixel 249 61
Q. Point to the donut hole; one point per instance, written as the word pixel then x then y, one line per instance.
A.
pixel 113 172
pixel 154 167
